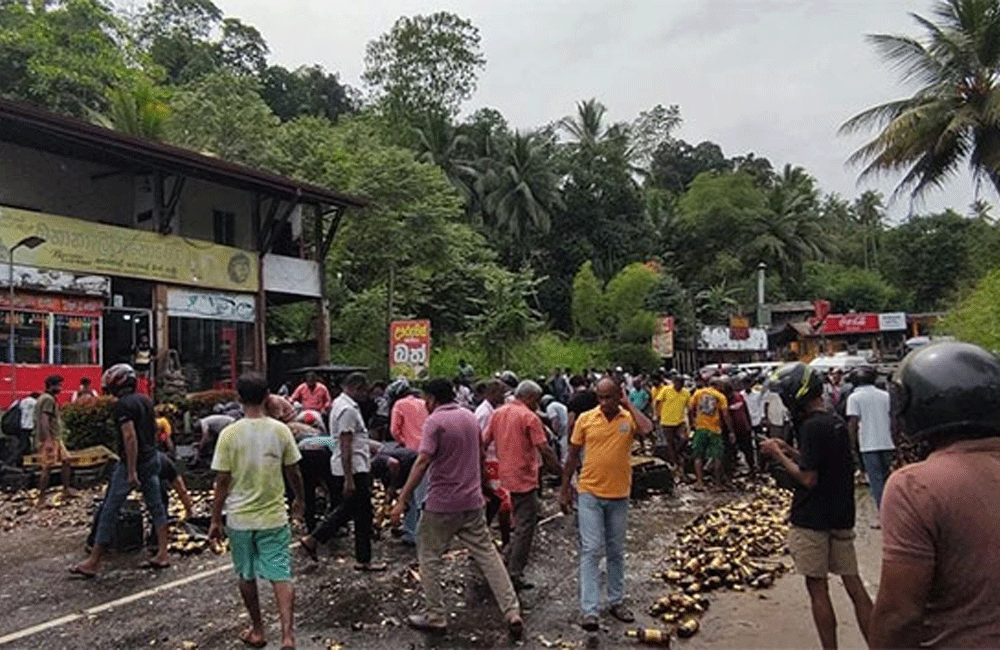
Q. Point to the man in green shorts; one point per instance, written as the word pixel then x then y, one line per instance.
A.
pixel 250 458
pixel 709 409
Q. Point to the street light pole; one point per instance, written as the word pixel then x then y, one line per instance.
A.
pixel 28 242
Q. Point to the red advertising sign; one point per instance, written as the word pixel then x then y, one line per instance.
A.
pixel 409 348
pixel 850 324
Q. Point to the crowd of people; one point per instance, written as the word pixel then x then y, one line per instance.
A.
pixel 458 455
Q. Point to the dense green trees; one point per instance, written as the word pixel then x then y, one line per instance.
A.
pixel 582 225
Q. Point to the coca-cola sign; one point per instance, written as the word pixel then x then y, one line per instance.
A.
pixel 850 324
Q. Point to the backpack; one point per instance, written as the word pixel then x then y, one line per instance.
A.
pixel 10 423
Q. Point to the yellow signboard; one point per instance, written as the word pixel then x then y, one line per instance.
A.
pixel 77 245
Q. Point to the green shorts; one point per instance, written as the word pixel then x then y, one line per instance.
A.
pixel 262 553
pixel 707 444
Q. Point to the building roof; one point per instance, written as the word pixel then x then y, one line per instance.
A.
pixel 33 127
pixel 792 306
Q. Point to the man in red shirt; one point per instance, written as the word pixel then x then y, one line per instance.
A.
pixel 520 440
pixel 312 394
pixel 406 424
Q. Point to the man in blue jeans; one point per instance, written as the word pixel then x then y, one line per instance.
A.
pixel 868 424
pixel 133 416
pixel 605 435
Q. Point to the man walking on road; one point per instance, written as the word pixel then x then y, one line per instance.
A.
pixel 670 404
pixel 520 440
pixel 821 536
pixel 251 458
pixel 451 456
pixel 868 423
pixel 709 409
pixel 49 438
pixel 406 424
pixel 351 467
pixel 940 584
pixel 605 435
pixel 139 468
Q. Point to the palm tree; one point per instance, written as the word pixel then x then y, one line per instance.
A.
pixel 139 110
pixel 716 303
pixel 439 143
pixel 955 113
pixel 521 189
pixel 869 215
pixel 586 129
pixel 790 232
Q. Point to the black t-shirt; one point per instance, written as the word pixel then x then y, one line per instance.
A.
pixel 138 410
pixel 825 448
pixel 581 402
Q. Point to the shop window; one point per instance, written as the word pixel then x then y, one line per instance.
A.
pixel 224 227
pixel 30 337
pixel 76 341
pixel 212 352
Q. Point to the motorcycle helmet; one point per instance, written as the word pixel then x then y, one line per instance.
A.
pixel 796 384
pixel 945 387
pixel 118 379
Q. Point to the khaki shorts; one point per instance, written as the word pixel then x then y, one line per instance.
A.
pixel 818 553
pixel 52 452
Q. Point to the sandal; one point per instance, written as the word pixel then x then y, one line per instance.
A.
pixel 154 565
pixel 371 568
pixel 79 574
pixel 245 638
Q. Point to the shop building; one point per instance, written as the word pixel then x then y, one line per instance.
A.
pixel 113 246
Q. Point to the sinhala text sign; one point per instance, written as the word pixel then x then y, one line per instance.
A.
pixel 409 348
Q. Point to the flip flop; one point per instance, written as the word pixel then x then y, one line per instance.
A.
pixel 77 573
pixel 154 565
pixel 371 568
pixel 311 552
pixel 245 638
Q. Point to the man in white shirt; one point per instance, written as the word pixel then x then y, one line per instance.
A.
pixel 351 466
pixel 498 501
pixel 868 423
pixel 775 415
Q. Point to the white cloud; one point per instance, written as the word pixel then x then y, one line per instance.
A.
pixel 776 77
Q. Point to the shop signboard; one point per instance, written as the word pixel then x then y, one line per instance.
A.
pixel 892 322
pixel 291 275
pixel 409 348
pixel 93 248
pixel 718 338
pixel 863 323
pixel 212 305
pixel 739 328
pixel 663 339
pixel 28 278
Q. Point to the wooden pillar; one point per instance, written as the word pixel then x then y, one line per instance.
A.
pixel 160 339
pixel 260 324
pixel 323 304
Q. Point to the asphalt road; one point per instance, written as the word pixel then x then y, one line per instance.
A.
pixel 195 603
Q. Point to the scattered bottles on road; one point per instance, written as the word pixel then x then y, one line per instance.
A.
pixel 650 636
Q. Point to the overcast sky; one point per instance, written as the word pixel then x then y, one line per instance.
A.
pixel 773 77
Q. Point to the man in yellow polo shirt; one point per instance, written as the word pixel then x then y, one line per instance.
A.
pixel 709 409
pixel 672 403
pixel 605 434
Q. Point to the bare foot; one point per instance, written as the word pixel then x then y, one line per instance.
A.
pixel 253 638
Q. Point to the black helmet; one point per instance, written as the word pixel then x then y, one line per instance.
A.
pixel 509 378
pixel 118 379
pixel 946 386
pixel 796 384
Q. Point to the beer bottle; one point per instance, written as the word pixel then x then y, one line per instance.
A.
pixel 650 636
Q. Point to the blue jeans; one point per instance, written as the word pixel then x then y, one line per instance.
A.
pixel 118 490
pixel 602 533
pixel 412 515
pixel 877 465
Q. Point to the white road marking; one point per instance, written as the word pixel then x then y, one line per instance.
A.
pixel 97 609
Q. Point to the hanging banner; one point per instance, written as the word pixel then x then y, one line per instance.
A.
pixel 663 339
pixel 212 305
pixel 93 248
pixel 409 348
pixel 850 324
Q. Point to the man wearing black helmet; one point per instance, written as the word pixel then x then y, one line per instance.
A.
pixel 133 416
pixel 940 584
pixel 821 536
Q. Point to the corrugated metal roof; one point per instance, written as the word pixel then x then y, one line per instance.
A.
pixel 40 129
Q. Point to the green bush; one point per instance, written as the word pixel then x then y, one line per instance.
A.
pixel 90 423
pixel 535 356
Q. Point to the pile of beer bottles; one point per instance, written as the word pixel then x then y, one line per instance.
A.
pixel 736 546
